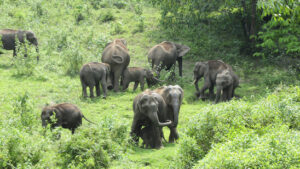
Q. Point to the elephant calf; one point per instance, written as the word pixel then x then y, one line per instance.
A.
pixel 66 115
pixel 137 75
pixel 9 37
pixel 226 82
pixel 91 75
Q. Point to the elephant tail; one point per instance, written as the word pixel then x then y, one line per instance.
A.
pixel 88 120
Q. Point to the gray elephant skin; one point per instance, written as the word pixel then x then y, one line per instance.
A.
pixel 147 134
pixel 165 55
pixel 209 71
pixel 149 109
pixel 67 115
pixel 138 76
pixel 116 55
pixel 172 96
pixel 226 82
pixel 92 75
pixel 9 37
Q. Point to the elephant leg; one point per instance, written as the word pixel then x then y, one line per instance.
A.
pixel 98 93
pixel 211 92
pixel 135 129
pixel 125 84
pixel 91 90
pixel 135 85
pixel 117 75
pixel 84 90
pixel 142 83
pixel 73 130
pixel 218 95
pixel 104 87
pixel 173 134
pixel 15 53
pixel 206 85
pixel 179 60
pixel 230 92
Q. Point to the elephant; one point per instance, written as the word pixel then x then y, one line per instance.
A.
pixel 209 71
pixel 67 115
pixel 149 109
pixel 137 75
pixel 116 55
pixel 226 82
pixel 91 75
pixel 148 136
pixel 9 39
pixel 172 96
pixel 165 55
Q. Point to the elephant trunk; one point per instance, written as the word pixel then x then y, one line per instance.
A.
pixel 179 60
pixel 176 108
pixel 155 120
pixel 37 51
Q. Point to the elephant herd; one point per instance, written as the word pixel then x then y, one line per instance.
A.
pixel 153 109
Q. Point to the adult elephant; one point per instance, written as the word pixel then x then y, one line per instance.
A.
pixel 172 96
pixel 226 82
pixel 209 71
pixel 116 55
pixel 9 36
pixel 149 109
pixel 165 55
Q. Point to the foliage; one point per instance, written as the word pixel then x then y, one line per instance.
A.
pixel 226 123
pixel 280 35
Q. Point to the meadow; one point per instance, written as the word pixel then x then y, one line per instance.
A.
pixel 257 129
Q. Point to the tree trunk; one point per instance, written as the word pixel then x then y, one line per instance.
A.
pixel 253 22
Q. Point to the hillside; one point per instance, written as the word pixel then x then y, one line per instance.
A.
pixel 264 116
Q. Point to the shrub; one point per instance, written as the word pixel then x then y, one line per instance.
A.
pixel 106 17
pixel 278 148
pixel 73 60
pixel 225 122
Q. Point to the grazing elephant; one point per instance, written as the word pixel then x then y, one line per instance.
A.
pixel 165 55
pixel 9 39
pixel 91 75
pixel 67 115
pixel 137 75
pixel 149 109
pixel 172 96
pixel 209 71
pixel 226 82
pixel 116 55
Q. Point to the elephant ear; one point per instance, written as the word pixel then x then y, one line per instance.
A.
pixel 117 59
pixel 182 49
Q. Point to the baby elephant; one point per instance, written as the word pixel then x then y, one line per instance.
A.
pixel 137 75
pixel 226 82
pixel 92 74
pixel 151 137
pixel 67 115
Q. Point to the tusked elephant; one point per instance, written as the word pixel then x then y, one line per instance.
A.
pixel 226 82
pixel 149 109
pixel 67 115
pixel 92 75
pixel 9 39
pixel 172 96
pixel 116 55
pixel 165 55
pixel 137 75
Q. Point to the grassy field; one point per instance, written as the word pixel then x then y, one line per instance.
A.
pixel 75 32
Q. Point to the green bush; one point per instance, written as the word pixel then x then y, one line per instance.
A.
pixel 223 122
pixel 107 16
pixel 73 60
pixel 278 148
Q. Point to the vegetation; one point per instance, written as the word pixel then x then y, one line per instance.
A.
pixel 258 129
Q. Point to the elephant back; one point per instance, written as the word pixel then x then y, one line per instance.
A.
pixel 115 53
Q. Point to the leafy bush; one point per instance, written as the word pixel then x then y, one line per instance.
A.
pixel 278 148
pixel 107 16
pixel 73 60
pixel 224 122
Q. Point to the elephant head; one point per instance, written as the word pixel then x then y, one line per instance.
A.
pixel 47 112
pixel 200 70
pixel 224 82
pixel 173 96
pixel 181 51
pixel 150 78
pixel 148 105
pixel 30 37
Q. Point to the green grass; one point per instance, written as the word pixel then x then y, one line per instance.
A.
pixel 54 23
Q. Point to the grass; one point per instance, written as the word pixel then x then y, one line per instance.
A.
pixel 59 33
